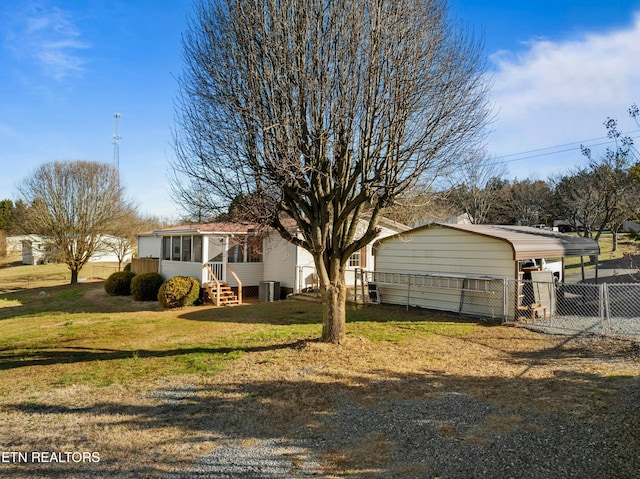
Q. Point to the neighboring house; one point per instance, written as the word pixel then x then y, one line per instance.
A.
pixel 253 255
pixel 14 244
pixel 467 255
pixel 36 251
pixel 565 226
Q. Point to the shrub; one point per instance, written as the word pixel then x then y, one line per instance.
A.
pixel 127 267
pixel 179 291
pixel 145 286
pixel 119 283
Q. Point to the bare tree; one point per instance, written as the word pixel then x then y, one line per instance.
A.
pixel 122 239
pixel 422 207
pixel 531 202
pixel 477 187
pixel 318 110
pixel 615 186
pixel 73 206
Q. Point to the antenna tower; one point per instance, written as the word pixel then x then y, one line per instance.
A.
pixel 116 144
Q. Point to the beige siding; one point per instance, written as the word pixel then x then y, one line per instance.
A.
pixel 478 303
pixel 440 250
pixel 435 251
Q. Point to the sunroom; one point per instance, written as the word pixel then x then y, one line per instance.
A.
pixel 228 253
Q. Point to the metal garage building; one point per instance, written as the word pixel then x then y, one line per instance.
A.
pixel 469 269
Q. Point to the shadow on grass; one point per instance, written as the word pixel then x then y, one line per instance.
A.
pixel 295 311
pixel 388 425
pixel 281 313
pixel 12 359
pixel 71 298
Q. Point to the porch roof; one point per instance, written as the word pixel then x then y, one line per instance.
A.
pixel 226 227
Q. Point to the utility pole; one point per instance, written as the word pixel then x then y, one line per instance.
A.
pixel 116 145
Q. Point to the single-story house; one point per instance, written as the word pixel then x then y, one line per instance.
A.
pixel 631 226
pixel 242 254
pixel 35 250
pixel 474 262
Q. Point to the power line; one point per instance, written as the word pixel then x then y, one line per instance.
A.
pixel 536 153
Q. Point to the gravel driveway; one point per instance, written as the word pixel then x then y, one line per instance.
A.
pixel 448 436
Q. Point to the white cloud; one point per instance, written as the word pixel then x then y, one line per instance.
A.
pixel 561 92
pixel 49 38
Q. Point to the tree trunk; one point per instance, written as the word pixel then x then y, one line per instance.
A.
pixel 74 276
pixel 614 235
pixel 334 318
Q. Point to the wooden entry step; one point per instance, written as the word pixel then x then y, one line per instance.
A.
pixel 224 295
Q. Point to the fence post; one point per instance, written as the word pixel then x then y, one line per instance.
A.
pixel 601 306
pixel 505 305
pixel 606 307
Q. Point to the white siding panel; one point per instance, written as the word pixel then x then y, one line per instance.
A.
pixel 169 269
pixel 305 270
pixel 149 246
pixel 279 261
pixel 250 274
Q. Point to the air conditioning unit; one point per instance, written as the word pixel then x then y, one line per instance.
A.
pixel 269 291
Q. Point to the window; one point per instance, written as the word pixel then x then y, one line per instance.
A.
pixel 244 249
pixel 358 259
pixel 166 247
pixel 235 251
pixel 197 249
pixel 241 248
pixel 186 248
pixel 175 248
pixel 182 248
pixel 354 260
pixel 254 249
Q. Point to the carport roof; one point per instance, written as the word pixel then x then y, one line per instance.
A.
pixel 528 242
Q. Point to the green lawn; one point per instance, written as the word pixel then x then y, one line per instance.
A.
pixel 152 390
pixel 98 340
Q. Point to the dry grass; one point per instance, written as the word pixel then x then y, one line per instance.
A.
pixel 15 276
pixel 153 390
pixel 626 247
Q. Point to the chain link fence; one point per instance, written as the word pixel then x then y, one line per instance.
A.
pixel 465 295
pixel 608 308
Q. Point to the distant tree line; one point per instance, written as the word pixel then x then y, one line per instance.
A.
pixel 13 217
pixel 590 199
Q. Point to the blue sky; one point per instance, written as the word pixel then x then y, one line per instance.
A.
pixel 560 68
